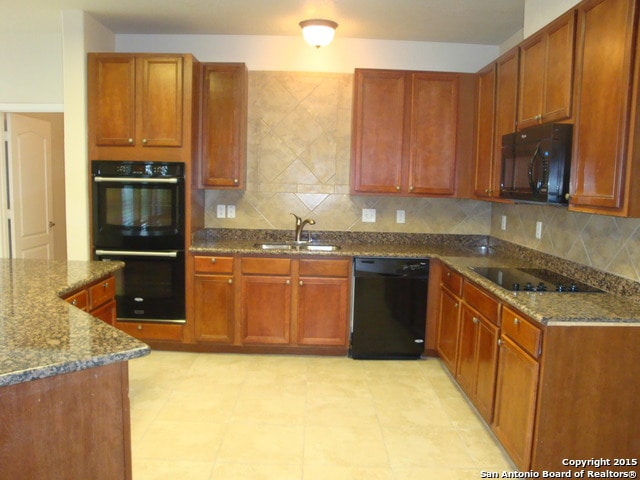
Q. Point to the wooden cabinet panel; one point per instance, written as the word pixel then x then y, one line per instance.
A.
pixel 601 169
pixel 152 331
pixel 546 73
pixel 452 280
pixel 224 125
pixel 522 331
pixel 378 135
pixel 506 107
pixel 467 344
pixel 448 329
pixel 266 309
pixel 214 308
pixel 324 268
pixel 107 312
pixel 213 264
pixel 488 306
pixel 323 311
pixel 266 266
pixel 486 170
pixel 515 404
pixel 98 299
pixel 434 122
pixel 101 292
pixel 79 300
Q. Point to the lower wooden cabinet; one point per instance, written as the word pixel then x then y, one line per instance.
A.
pixel 98 299
pixel 152 331
pixel 214 298
pixel 449 329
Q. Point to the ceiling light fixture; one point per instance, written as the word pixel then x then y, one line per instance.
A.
pixel 318 33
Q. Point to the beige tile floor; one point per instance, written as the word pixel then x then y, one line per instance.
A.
pixel 222 416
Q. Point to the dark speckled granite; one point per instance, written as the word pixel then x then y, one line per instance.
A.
pixel 42 335
pixel 621 303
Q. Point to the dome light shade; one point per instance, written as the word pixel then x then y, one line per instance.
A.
pixel 318 33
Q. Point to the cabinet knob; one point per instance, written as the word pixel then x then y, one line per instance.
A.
pixel 499 342
pixel 538 117
pixel 301 283
pixel 139 327
pixel 398 187
pixel 230 281
pixel 455 305
pixel 567 196
pixel 411 188
pixel 130 141
pixel 144 141
pixel 448 274
pixel 475 320
pixel 213 260
pixel 288 282
pixel 236 181
pixel 74 301
pixel 516 321
pixel 105 285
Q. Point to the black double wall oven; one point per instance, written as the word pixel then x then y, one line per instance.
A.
pixel 138 212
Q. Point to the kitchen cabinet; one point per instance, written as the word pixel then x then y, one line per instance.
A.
pixel 266 300
pixel 449 318
pixel 478 348
pixel 408 132
pixel 140 106
pixel 98 299
pixel 517 386
pixel 214 310
pixel 488 167
pixel 223 134
pixel 546 73
pixel 150 331
pixel 323 302
pixel 606 137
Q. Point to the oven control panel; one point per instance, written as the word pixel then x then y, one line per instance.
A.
pixel 138 169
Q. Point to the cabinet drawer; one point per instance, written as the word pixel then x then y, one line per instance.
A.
pixel 213 264
pixel 521 331
pixel 102 292
pixel 266 266
pixel 79 300
pixel 452 280
pixel 482 302
pixel 324 268
pixel 151 331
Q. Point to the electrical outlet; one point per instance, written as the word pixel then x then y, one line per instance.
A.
pixel 369 215
pixel 538 230
pixel 503 222
pixel 221 211
pixel 400 216
pixel 231 211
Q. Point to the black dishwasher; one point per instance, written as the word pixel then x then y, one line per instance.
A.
pixel 389 308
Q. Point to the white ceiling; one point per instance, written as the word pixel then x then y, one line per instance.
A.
pixel 487 22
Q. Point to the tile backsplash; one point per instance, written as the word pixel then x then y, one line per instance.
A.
pixel 607 243
pixel 298 154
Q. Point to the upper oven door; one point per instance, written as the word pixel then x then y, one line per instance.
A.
pixel 138 213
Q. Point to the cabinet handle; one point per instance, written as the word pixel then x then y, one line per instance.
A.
pixel 139 327
pixel 74 301
pixel 567 196
pixel 455 305
pixel 475 320
pixel 213 260
pixel 499 342
pixel 398 187
pixel 236 181
pixel 105 285
pixel 144 141
pixel 288 282
pixel 411 188
pixel 516 321
pixel 448 274
pixel 301 283
pixel 230 281
pixel 130 141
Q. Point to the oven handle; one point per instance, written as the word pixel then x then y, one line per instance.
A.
pixel 133 180
pixel 134 253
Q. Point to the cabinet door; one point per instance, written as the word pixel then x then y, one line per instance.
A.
pixel 224 118
pixel 487 364
pixel 378 131
pixel 214 307
pixel 106 313
pixel 467 364
pixel 448 329
pixel 484 165
pixel 112 83
pixel 434 121
pixel 603 88
pixel 506 103
pixel 323 306
pixel 516 394
pixel 266 309
pixel 160 90
pixel 532 73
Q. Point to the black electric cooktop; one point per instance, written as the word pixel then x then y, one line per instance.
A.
pixel 533 280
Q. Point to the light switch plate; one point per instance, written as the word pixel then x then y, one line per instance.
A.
pixel 221 211
pixel 503 222
pixel 369 215
pixel 538 230
pixel 400 216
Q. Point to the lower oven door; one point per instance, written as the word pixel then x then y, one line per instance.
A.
pixel 150 288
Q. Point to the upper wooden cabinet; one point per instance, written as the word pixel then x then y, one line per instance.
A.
pixel 606 135
pixel 408 130
pixel 223 134
pixel 140 106
pixel 496 116
pixel 546 73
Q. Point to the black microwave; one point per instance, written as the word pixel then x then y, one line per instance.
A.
pixel 536 164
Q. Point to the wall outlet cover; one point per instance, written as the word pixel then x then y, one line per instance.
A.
pixel 231 211
pixel 400 217
pixel 369 215
pixel 221 211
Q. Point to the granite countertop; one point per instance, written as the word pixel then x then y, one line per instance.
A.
pixel 619 304
pixel 41 335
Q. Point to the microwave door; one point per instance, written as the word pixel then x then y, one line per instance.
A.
pixel 538 173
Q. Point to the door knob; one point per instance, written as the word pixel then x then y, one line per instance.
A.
pixel 52 224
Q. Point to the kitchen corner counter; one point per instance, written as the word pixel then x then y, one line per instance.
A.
pixel 41 335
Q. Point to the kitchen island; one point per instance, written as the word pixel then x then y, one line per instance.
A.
pixel 64 405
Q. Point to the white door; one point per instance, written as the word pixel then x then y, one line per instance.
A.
pixel 30 185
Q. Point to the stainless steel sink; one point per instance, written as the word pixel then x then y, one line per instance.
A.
pixel 312 247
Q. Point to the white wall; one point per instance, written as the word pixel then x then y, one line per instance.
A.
pixel 287 53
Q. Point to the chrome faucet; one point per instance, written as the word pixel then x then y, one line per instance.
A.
pixel 300 225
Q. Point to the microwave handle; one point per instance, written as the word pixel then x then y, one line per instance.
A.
pixel 133 180
pixel 137 253
pixel 532 181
